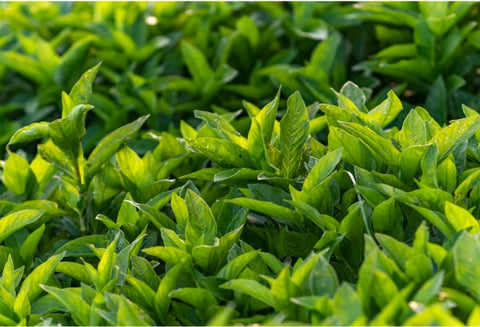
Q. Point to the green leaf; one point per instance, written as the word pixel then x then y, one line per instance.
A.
pixel 294 134
pixel 264 122
pixel 323 56
pixel 429 291
pixel 381 147
pixel 234 175
pixel 158 218
pixel 354 151
pixel 130 314
pixel 105 266
pixel 40 275
pixel 322 169
pixel 80 246
pixel 387 111
pixel 413 131
pixel 466 262
pixel 234 267
pixel 67 132
pixel 168 254
pixel 22 305
pixel 74 303
pixel 325 222
pixel 282 289
pixel 267 208
pixel 212 257
pixel 17 220
pixel 435 219
pixel 437 100
pixel 251 288
pixel 25 66
pixel 71 60
pixel 454 135
pixel 168 283
pixel 220 124
pixel 127 213
pixel 75 270
pixel 466 185
pixel 197 64
pixel 53 155
pixel 435 314
pixel 133 167
pixel 110 144
pixel 17 175
pixel 180 210
pixel 388 218
pixel 30 245
pixel 29 133
pixel 82 90
pixel 346 304
pixel 200 299
pixel 410 160
pixel 225 152
pixel 460 219
pixel 201 226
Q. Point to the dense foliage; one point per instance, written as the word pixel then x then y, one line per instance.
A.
pixel 212 164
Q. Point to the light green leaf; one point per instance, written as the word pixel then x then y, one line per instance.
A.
pixel 29 246
pixel 25 66
pixel 201 227
pixel 53 155
pixel 234 267
pixel 17 175
pixel 435 219
pixel 435 314
pixel 130 314
pixel 133 167
pixel 381 147
pixel 71 60
pixel 212 257
pixel 29 133
pixel 325 222
pixel 74 303
pixel 454 135
pixel 197 64
pixel 251 288
pixel 225 152
pixel 40 275
pixel 466 262
pixel 429 291
pixel 199 298
pixel 105 266
pixel 322 169
pixel 294 134
pixel 82 90
pixel 168 283
pixel 17 220
pixel 413 131
pixel 267 208
pixel 75 270
pixel 387 111
pixel 460 219
pixel 80 246
pixel 110 144
pixel 67 132
pixel 127 213
pixel 261 130
pixel 354 151
pixel 168 254
pixel 158 218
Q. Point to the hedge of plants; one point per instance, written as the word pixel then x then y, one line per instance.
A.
pixel 239 163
